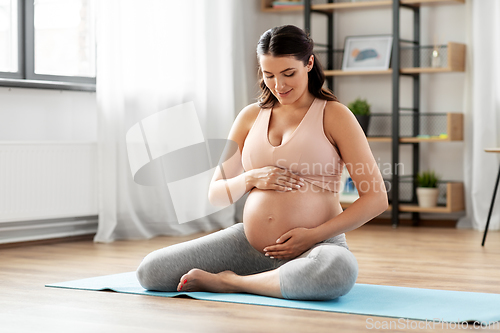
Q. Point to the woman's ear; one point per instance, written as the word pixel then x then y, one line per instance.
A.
pixel 310 63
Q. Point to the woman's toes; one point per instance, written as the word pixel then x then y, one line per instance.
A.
pixel 182 282
pixel 188 281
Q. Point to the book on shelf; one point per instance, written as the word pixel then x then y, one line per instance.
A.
pixel 287 4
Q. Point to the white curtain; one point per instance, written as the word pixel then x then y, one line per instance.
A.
pixel 482 113
pixel 152 55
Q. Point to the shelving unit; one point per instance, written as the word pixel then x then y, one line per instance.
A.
pixel 266 5
pixel 454 62
pixel 454 131
pixel 454 202
pixel 338 72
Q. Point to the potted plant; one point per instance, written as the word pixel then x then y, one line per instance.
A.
pixel 427 189
pixel 361 110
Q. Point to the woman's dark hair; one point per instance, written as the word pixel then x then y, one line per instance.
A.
pixel 289 40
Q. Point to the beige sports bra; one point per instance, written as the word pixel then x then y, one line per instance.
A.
pixel 307 153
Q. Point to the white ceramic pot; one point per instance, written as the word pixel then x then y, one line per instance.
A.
pixel 427 196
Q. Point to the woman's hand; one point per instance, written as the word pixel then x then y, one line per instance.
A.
pixel 291 244
pixel 274 178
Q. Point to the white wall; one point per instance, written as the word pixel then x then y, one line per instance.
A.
pixel 47 115
pixel 439 92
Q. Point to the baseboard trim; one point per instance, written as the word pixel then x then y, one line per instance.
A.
pixel 42 230
pixel 50 241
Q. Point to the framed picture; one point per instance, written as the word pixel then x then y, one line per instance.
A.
pixel 365 53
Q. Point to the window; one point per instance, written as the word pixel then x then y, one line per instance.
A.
pixel 48 43
pixel 9 42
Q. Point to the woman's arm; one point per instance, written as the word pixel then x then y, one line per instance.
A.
pixel 230 182
pixel 344 129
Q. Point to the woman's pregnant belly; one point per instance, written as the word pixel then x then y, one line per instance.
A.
pixel 268 214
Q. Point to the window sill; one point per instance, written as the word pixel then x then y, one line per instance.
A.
pixel 42 84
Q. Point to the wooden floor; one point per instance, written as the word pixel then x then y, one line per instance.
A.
pixel 436 258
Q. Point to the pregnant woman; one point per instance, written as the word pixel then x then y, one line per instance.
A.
pixel 292 147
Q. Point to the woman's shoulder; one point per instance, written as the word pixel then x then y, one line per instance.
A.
pixel 337 113
pixel 245 120
pixel 335 108
pixel 250 111
pixel 338 118
pixel 248 115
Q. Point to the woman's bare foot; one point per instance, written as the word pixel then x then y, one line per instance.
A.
pixel 199 280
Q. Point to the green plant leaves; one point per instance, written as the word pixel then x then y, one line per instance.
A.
pixel 427 179
pixel 359 107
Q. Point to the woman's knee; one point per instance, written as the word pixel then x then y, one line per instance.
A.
pixel 325 274
pixel 152 275
pixel 145 274
pixel 340 273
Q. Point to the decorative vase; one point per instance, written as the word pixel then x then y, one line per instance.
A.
pixel 364 121
pixel 427 196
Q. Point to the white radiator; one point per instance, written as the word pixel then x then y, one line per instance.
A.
pixel 51 184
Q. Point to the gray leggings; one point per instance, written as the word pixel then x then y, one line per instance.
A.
pixel 326 271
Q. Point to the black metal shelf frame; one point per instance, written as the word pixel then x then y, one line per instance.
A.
pixel 396 75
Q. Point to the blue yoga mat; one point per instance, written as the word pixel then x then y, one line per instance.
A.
pixel 364 299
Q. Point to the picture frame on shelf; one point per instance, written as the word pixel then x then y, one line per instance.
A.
pixel 367 53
